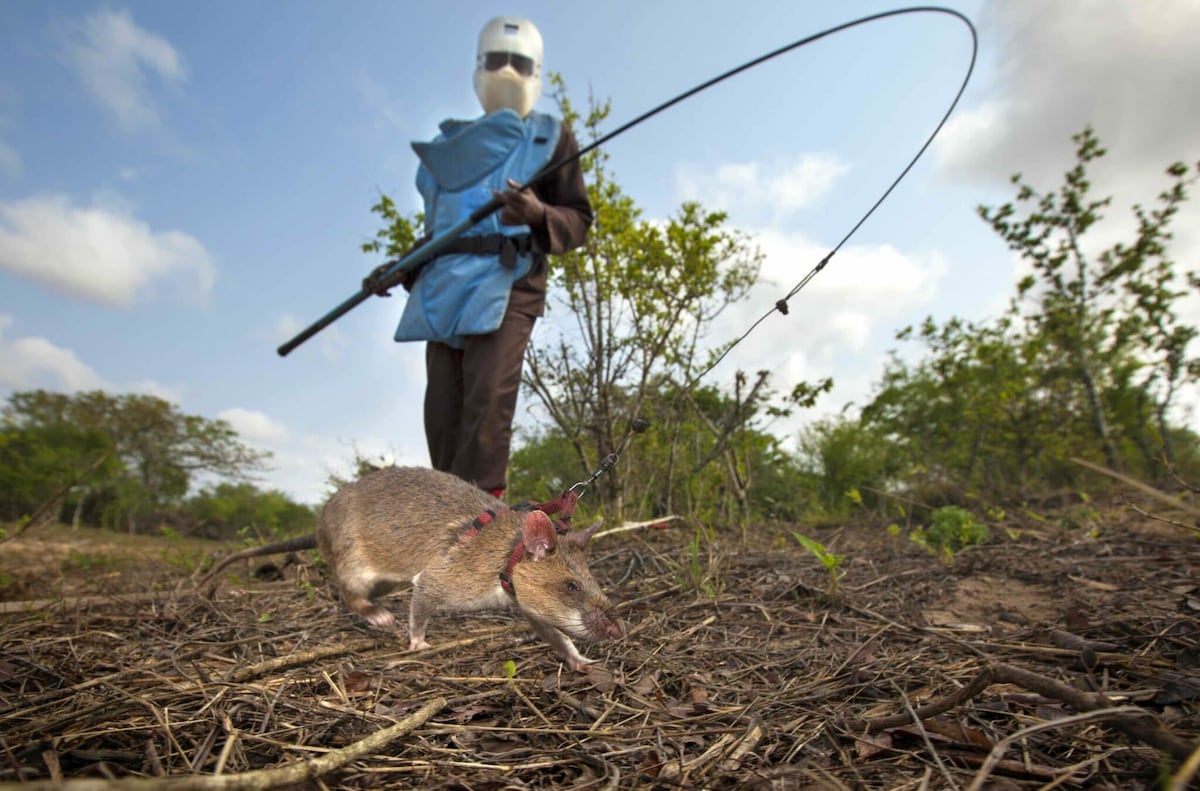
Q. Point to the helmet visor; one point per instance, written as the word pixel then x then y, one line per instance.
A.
pixel 494 61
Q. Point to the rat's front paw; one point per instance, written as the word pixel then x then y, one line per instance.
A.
pixel 580 664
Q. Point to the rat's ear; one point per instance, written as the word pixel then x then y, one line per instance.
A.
pixel 538 535
pixel 580 537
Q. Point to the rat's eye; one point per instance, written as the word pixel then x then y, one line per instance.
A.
pixel 572 586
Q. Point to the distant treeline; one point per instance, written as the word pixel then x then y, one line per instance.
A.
pixel 129 462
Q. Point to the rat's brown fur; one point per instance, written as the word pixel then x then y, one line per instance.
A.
pixel 402 524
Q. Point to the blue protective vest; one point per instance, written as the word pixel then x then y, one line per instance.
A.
pixel 461 294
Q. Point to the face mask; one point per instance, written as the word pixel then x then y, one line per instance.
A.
pixel 506 88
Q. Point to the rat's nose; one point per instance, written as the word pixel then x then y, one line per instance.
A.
pixel 599 625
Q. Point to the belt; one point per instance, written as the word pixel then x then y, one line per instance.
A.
pixel 507 247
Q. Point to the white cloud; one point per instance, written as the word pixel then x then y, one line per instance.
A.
pixel 254 426
pixel 100 253
pixel 114 57
pixel 760 191
pixel 879 281
pixel 967 132
pixel 1127 67
pixel 31 362
pixel 834 325
pixel 301 465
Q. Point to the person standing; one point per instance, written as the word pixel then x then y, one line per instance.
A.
pixel 476 303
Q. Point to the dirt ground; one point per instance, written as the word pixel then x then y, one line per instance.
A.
pixel 1062 653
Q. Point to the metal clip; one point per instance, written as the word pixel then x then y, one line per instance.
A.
pixel 638 426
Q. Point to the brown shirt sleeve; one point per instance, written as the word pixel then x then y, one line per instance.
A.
pixel 568 217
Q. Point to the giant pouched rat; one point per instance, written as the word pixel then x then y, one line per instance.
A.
pixel 399 524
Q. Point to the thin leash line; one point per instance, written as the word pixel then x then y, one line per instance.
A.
pixel 781 305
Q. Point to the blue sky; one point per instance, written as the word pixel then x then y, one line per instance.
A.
pixel 185 185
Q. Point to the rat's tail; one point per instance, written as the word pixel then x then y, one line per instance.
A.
pixel 290 545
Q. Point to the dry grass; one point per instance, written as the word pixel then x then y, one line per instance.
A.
pixel 1064 658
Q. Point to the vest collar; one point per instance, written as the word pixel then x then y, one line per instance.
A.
pixel 466 151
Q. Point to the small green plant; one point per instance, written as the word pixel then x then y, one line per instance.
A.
pixel 510 670
pixel 701 568
pixel 1082 517
pixel 831 562
pixel 249 536
pixel 950 529
pixel 266 617
pixel 996 514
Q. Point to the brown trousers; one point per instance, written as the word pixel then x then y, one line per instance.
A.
pixel 471 399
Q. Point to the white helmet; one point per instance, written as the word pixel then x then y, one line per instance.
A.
pixel 508 65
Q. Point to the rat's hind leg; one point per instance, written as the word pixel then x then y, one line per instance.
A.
pixel 359 598
pixel 377 616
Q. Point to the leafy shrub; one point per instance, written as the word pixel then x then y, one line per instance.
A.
pixel 950 530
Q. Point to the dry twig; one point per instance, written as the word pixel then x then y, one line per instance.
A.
pixel 263 779
pixel 1141 727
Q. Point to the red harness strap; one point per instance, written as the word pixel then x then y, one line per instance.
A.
pixel 513 559
pixel 478 523
pixel 564 503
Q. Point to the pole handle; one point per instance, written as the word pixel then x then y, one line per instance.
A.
pixel 414 259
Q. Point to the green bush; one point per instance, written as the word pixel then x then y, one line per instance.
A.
pixel 950 530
